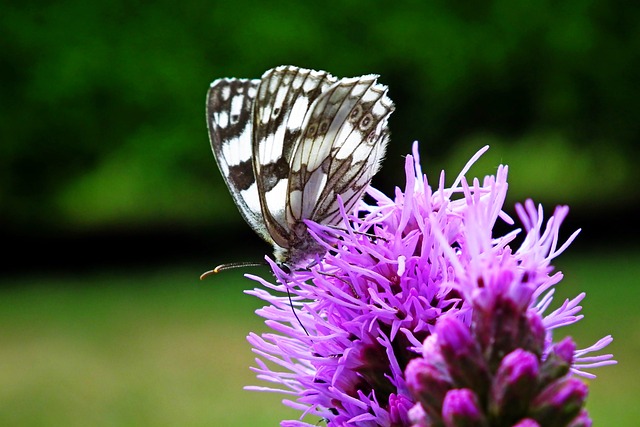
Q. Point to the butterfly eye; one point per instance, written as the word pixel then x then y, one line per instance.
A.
pixel 365 122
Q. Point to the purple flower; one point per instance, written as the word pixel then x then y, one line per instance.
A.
pixel 410 277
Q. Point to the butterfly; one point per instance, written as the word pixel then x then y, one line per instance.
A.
pixel 288 144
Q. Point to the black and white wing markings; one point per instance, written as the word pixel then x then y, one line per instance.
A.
pixel 281 109
pixel 289 143
pixel 344 142
pixel 229 120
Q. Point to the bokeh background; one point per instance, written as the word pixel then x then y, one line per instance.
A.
pixel 111 204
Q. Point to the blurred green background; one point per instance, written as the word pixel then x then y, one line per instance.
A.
pixel 111 204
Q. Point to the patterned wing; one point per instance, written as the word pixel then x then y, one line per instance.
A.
pixel 282 107
pixel 230 123
pixel 344 142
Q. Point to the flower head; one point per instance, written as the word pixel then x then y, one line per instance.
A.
pixel 412 276
pixel 497 372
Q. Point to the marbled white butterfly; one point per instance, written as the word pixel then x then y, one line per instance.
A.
pixel 289 143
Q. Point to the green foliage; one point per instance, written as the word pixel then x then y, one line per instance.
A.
pixel 102 113
pixel 129 350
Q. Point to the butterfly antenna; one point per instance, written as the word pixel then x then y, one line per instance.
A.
pixel 293 310
pixel 361 233
pixel 229 266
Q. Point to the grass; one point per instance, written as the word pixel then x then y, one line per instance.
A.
pixel 163 349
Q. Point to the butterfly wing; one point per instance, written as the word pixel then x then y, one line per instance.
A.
pixel 289 143
pixel 230 124
pixel 282 107
pixel 345 139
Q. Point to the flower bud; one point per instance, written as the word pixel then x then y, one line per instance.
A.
pixel 559 403
pixel 527 422
pixel 461 352
pixel 428 385
pixel 462 409
pixel 558 361
pixel 582 420
pixel 514 385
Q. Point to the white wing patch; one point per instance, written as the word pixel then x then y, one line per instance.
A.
pixel 298 113
pixel 236 154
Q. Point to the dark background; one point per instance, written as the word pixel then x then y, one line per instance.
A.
pixel 111 204
pixel 104 155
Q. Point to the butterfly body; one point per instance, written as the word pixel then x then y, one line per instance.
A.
pixel 288 144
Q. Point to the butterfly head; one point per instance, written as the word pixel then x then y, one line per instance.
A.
pixel 300 254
